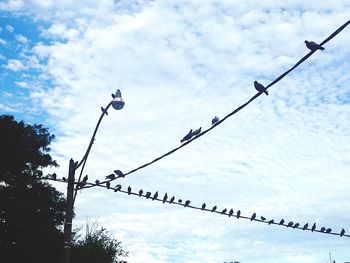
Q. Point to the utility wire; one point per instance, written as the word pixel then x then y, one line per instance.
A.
pixel 237 109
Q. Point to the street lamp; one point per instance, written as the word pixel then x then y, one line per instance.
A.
pixel 117 103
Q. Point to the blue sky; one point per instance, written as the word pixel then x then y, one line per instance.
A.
pixel 178 64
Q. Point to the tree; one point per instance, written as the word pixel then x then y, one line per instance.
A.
pixel 31 211
pixel 97 245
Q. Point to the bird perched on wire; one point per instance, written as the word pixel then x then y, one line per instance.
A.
pixel 263 218
pixel 281 222
pixel 342 232
pixel 238 214
pixel 230 213
pixel 214 120
pixel 155 196
pixel 104 110
pixel 172 200
pixel 313 46
pixel 214 208
pixel 129 190
pixel 140 192
pixel 260 87
pixel 119 173
pixel 148 195
pixel 187 137
pixel 305 226
pixel 187 203
pixel 165 197
pixel 203 206
pixel 328 230
pixel 85 178
pixel 197 131
pixel 97 182
pixel 224 211
pixel 271 221
pixel 54 176
pixel 290 224
pixel 323 229
pixel 313 227
pixel 117 187
pixel 110 177
pixel 253 217
pixel 108 185
pixel 296 225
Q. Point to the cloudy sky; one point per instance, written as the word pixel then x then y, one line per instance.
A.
pixel 179 64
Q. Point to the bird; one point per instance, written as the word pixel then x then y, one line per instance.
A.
pixel 180 201
pixel 108 184
pixel 271 222
pixel 328 230
pixel 165 197
pixel 119 173
pixel 296 225
pixel 214 120
pixel 81 184
pixel 342 232
pixel 281 222
pixel 323 229
pixel 214 208
pixel 64 179
pixel 97 182
pixel 203 206
pixel 148 195
pixel 263 218
pixel 223 211
pixel 196 132
pixel 187 137
pixel 253 217
pixel 290 224
pixel 313 227
pixel 313 46
pixel 140 192
pixel 85 178
pixel 187 203
pixel 155 196
pixel 54 176
pixel 230 213
pixel 260 87
pixel 238 214
pixel 172 199
pixel 110 177
pixel 104 110
pixel 117 188
pixel 305 226
pixel 129 190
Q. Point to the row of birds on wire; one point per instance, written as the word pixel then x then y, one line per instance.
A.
pixel 214 209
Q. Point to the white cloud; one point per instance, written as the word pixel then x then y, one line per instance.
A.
pixel 22 39
pixel 15 65
pixel 9 28
pixel 2 42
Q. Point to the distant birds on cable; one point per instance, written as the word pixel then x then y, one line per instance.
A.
pixel 259 87
pixel 214 120
pixel 197 131
pixel 110 177
pixel 54 176
pixel 313 46
pixel 191 134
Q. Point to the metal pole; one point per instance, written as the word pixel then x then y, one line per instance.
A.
pixel 69 213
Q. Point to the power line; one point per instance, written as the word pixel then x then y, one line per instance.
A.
pixel 237 109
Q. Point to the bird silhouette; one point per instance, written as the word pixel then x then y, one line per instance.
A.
pixel 180 201
pixel 281 222
pixel 187 137
pixel 263 218
pixel 260 87
pixel 85 178
pixel 342 232
pixel 110 177
pixel 271 222
pixel 155 196
pixel 214 120
pixel 305 226
pixel 203 206
pixel 117 187
pixel 64 179
pixel 54 176
pixel 313 46
pixel 97 182
pixel 119 173
pixel 214 208
pixel 81 184
pixel 172 199
pixel 148 194
pixel 187 203
pixel 108 184
pixel 323 229
pixel 104 110
pixel 290 224
pixel 129 190
pixel 230 213
pixel 238 214
pixel 223 211
pixel 140 192
pixel 328 230
pixel 196 132
pixel 165 197
pixel 296 225
pixel 313 227
pixel 253 217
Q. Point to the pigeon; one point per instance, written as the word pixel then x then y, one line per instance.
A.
pixel 129 190
pixel 54 176
pixel 187 203
pixel 238 214
pixel 305 226
pixel 165 197
pixel 110 177
pixel 214 208
pixel 313 46
pixel 97 182
pixel 148 195
pixel 119 173
pixel 313 227
pixel 81 184
pixel 64 179
pixel 259 87
pixel 203 206
pixel 108 184
pixel 263 218
pixel 328 230
pixel 117 188
pixel 296 225
pixel 281 222
pixel 290 224
pixel 214 120
pixel 104 110
pixel 342 232
pixel 140 192
pixel 253 217
pixel 196 132
pixel 180 201
pixel 271 222
pixel 85 178
pixel 223 211
pixel 155 196
pixel 187 137
pixel 323 229
pixel 230 213
pixel 172 199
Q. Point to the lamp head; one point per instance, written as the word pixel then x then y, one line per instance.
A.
pixel 117 102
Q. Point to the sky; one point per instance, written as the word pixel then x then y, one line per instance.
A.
pixel 178 64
